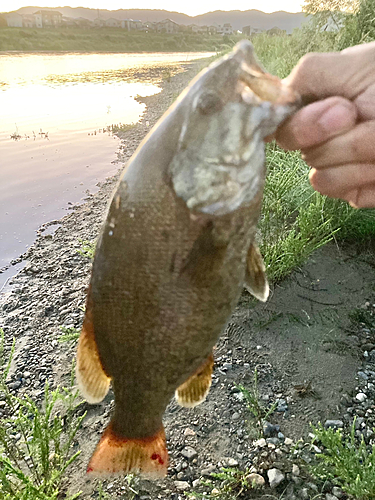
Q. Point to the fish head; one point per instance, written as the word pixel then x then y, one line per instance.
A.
pixel 225 114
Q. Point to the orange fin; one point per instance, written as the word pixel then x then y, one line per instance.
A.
pixel 255 279
pixel 92 381
pixel 115 455
pixel 194 391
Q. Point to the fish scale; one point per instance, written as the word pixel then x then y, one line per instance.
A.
pixel 175 251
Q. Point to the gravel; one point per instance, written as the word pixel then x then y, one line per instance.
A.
pixel 50 292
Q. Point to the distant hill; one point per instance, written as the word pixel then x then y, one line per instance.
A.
pixel 255 18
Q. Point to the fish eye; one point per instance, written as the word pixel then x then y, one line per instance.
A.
pixel 209 103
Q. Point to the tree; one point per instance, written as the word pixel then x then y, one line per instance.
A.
pixel 330 12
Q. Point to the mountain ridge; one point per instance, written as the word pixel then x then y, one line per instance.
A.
pixel 237 18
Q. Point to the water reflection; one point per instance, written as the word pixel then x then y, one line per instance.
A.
pixel 57 112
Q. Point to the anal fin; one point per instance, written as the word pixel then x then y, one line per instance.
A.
pixel 117 455
pixel 194 391
pixel 255 279
pixel 93 382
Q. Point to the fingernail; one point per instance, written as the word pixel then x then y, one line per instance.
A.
pixel 337 118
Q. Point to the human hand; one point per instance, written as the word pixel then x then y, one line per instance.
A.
pixel 337 133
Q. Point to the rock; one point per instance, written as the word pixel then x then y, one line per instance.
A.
pixel 282 405
pixel 275 477
pixel 261 443
pixel 331 497
pixel 270 430
pixel 207 471
pixel 275 441
pixel 196 482
pixel 182 485
pixel 215 491
pixel 295 470
pixel 189 453
pixel 236 416
pixel 335 424
pixel 361 397
pixel 255 479
pixel 189 432
pixel 14 385
pixel 304 494
pixel 288 441
pixel 232 462
pixel 337 492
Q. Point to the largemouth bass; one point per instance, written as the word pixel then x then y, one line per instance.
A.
pixel 174 254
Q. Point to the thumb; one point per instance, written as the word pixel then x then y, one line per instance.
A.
pixel 316 123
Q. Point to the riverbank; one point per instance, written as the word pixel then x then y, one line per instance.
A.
pixel 107 40
pixel 305 347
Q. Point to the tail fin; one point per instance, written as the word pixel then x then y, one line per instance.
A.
pixel 115 455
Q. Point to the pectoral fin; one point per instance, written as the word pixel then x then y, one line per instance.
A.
pixel 194 391
pixel 255 279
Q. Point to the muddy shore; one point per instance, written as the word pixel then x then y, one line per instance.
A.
pixel 302 337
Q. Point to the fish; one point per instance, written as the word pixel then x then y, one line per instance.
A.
pixel 174 254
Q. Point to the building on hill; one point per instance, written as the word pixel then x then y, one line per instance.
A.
pixel 167 26
pixel 112 23
pixel 149 26
pixel 14 20
pixel 276 31
pixel 224 29
pixel 99 22
pixel 47 18
pixel 28 21
pixel 250 30
pixel 82 22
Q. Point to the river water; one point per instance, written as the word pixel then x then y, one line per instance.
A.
pixel 55 110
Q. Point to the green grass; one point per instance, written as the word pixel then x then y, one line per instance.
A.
pixel 87 247
pixel 258 411
pixel 107 40
pixel 37 444
pixel 228 484
pixel 296 220
pixel 346 461
pixel 69 334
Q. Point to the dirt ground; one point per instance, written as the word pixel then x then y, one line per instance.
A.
pixel 303 344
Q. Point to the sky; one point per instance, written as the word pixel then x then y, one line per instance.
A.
pixel 191 8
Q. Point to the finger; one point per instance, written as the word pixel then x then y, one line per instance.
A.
pixel 347 73
pixel 317 123
pixel 338 181
pixel 362 198
pixel 355 146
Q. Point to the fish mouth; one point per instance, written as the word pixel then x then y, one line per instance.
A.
pixel 267 87
pixel 264 86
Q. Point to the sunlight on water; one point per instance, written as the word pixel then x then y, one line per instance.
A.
pixel 55 109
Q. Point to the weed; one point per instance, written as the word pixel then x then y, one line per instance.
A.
pixel 70 334
pixel 166 75
pixel 120 127
pixel 87 248
pixel 345 461
pixel 233 484
pixel 35 444
pixel 362 316
pixel 252 399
